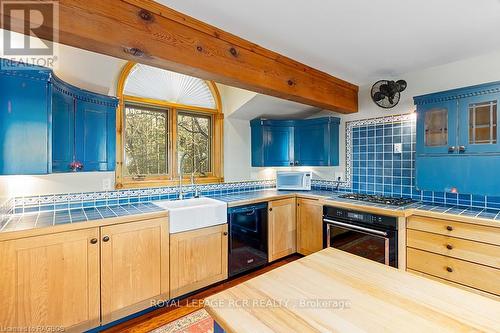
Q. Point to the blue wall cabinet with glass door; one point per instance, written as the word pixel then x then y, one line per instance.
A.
pixel 457 140
pixel 84 126
pixel 317 142
pixel 25 111
pixel 308 142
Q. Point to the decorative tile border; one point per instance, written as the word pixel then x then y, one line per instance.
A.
pixel 129 196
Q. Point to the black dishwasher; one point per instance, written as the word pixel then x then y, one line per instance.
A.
pixel 248 238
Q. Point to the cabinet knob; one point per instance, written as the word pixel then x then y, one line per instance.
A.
pixel 105 238
pixel 296 162
pixel 225 233
pixel 461 149
pixel 451 149
pixel 270 209
pixel 449 246
pixel 449 228
pixel 93 241
pixel 449 269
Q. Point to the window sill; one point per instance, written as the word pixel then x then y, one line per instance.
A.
pixel 167 182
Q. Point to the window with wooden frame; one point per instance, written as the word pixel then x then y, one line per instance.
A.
pixel 165 118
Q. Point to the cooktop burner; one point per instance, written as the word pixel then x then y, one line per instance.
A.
pixel 377 199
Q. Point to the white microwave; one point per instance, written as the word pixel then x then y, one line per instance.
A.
pixel 294 180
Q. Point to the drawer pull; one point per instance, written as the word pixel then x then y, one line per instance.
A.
pixel 449 246
pixel 449 269
pixel 449 228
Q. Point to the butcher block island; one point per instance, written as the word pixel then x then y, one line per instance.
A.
pixel 333 291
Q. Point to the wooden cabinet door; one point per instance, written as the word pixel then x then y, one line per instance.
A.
pixel 309 226
pixel 282 228
pixel 198 259
pixel 134 266
pixel 50 281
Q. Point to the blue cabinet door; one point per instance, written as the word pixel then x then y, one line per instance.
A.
pixel 95 136
pixel 316 142
pixel 63 131
pixel 479 124
pixel 24 123
pixel 278 145
pixel 437 125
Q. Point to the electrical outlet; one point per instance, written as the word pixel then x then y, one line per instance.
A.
pixel 106 185
pixel 398 148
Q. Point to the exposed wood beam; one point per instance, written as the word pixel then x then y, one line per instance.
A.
pixel 148 32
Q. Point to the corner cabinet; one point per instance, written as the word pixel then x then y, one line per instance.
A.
pixel 457 140
pixel 308 142
pixel 46 124
pixel 83 128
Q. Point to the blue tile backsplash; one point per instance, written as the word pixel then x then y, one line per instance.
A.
pixel 374 167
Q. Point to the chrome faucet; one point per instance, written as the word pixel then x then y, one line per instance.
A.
pixel 181 162
pixel 181 192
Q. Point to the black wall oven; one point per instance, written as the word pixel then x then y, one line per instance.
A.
pixel 367 235
pixel 248 238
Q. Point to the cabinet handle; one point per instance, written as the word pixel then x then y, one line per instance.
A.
pixel 461 149
pixel 449 246
pixel 105 238
pixel 449 269
pixel 93 241
pixel 452 149
pixel 225 233
pixel 449 228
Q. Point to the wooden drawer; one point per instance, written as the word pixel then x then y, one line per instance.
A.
pixel 470 274
pixel 469 231
pixel 481 253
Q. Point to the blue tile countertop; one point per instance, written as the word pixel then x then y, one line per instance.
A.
pixel 473 212
pixel 18 222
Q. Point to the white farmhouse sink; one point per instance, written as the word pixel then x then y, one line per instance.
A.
pixel 194 213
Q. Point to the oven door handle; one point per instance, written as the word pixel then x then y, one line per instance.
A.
pixel 356 227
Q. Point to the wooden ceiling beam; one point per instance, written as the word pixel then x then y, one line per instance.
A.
pixel 148 32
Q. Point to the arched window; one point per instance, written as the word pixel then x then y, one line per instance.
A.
pixel 166 119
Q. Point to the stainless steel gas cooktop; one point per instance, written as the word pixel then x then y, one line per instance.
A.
pixel 394 201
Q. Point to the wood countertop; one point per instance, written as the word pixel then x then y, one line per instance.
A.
pixel 333 291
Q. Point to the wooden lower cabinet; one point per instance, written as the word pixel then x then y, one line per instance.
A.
pixel 198 258
pixel 134 267
pixel 50 281
pixel 309 226
pixel 282 228
pixel 459 253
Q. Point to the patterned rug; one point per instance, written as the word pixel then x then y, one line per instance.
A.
pixel 196 322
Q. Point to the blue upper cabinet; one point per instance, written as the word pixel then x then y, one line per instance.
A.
pixel 83 129
pixel 457 140
pixel 24 121
pixel 311 142
pixel 272 142
pixel 46 124
pixel 317 142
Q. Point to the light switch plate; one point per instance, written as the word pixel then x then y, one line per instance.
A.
pixel 398 148
pixel 106 184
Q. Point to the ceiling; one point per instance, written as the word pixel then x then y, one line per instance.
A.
pixel 272 107
pixel 359 40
